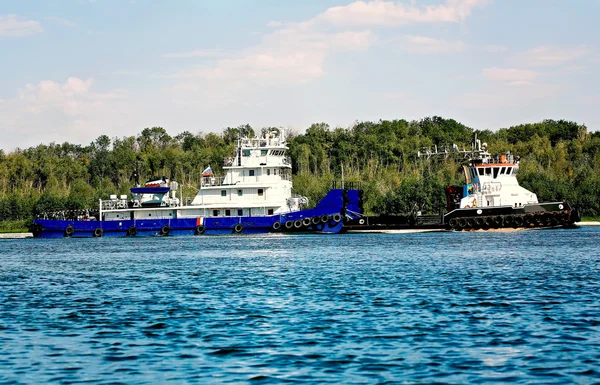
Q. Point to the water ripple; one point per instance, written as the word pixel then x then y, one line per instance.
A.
pixel 515 307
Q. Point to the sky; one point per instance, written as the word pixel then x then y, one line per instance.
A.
pixel 72 70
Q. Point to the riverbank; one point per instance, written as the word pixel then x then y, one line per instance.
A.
pixel 15 235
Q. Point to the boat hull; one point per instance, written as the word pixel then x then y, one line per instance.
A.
pixel 552 214
pixel 326 217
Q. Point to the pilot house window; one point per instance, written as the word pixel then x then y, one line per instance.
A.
pixel 223 193
pixel 250 172
pixel 260 192
pixel 263 152
pixel 246 152
pixel 496 169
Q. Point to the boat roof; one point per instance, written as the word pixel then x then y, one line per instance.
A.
pixel 150 190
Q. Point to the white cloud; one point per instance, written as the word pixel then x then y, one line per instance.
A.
pixel 428 45
pixel 203 53
pixel 287 56
pixel 392 14
pixel 495 48
pixel 12 26
pixel 501 97
pixel 510 76
pixel 58 20
pixel 71 111
pixel 552 56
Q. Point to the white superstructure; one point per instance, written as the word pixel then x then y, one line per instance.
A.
pixel 258 182
pixel 493 181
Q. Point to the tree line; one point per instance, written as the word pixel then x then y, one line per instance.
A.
pixel 559 160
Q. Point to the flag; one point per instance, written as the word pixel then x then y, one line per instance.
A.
pixel 207 172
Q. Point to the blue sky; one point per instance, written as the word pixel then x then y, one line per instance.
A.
pixel 75 69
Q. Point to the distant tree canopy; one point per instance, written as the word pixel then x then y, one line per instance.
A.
pixel 559 160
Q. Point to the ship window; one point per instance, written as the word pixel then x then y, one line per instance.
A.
pixel 215 213
pixel 515 171
pixel 250 172
pixel 263 152
pixel 246 152
pixel 223 193
pixel 270 212
pixel 240 193
pixel 149 215
pixel 268 171
pixel 496 169
pixel 480 171
pixel 503 170
pixel 488 171
pixel 260 192
pixel 508 170
pixel 227 213
pixel 240 212
pixel 274 171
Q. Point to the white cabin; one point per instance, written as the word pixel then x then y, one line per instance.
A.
pixel 493 182
pixel 258 182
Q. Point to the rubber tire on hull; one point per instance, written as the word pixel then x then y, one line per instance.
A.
pixel 306 221
pixel 69 231
pixel 453 223
pixel 238 228
pixel 518 221
pixel 297 223
pixel 498 222
pixel 98 232
pixel 132 231
pixel 315 220
pixel 164 231
pixel 276 226
pixel 509 221
pixel 324 218
pixel 289 224
pixel 200 230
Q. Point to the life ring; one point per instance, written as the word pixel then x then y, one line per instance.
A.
pixel 361 221
pixel 315 220
pixel 336 217
pixel 200 230
pixel 69 231
pixel 297 223
pixel 276 226
pixel 165 230
pixel 289 224
pixel 132 231
pixel 324 218
pixel 306 221
pixel 238 228
pixel 98 232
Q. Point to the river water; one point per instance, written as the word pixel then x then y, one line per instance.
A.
pixel 505 307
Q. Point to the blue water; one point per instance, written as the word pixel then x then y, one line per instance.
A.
pixel 505 307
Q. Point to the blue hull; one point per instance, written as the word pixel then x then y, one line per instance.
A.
pixel 327 217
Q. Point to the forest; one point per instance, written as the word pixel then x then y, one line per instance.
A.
pixel 560 160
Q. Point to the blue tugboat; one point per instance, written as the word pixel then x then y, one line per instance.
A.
pixel 254 197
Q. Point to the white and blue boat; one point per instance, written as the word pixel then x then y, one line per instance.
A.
pixel 255 196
